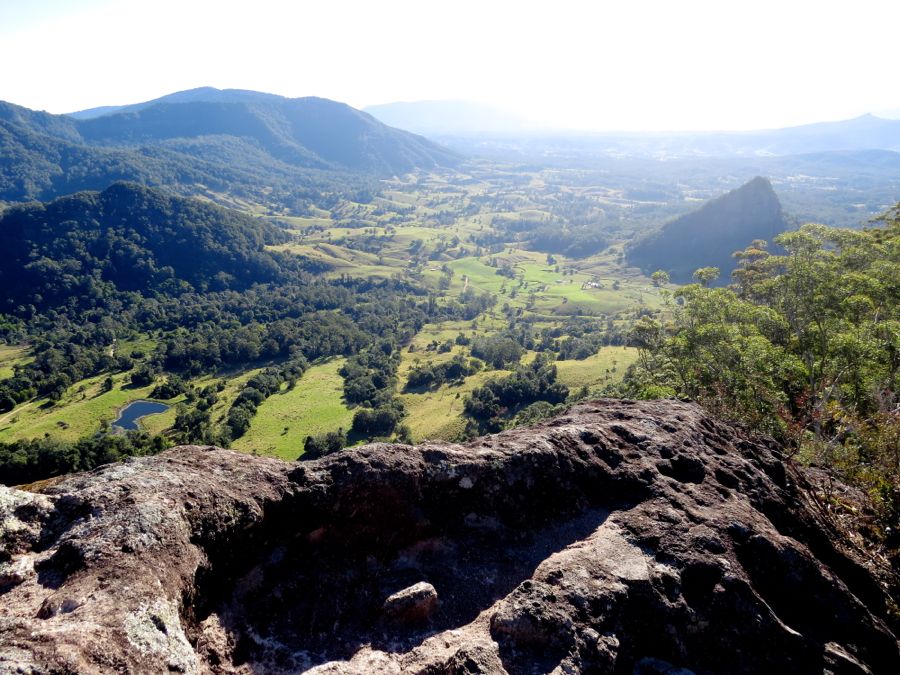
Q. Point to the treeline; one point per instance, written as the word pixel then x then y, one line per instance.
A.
pixel 370 382
pixel 432 376
pixel 555 235
pixel 201 333
pixel 258 389
pixel 27 461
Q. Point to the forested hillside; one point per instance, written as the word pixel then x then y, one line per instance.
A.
pixel 310 132
pixel 80 248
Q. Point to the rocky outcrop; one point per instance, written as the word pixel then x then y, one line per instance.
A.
pixel 711 234
pixel 621 537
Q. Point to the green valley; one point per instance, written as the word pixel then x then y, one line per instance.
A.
pixel 448 246
pixel 435 301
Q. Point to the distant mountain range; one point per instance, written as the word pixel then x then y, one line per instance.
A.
pixel 709 235
pixel 454 122
pixel 217 139
pixel 861 133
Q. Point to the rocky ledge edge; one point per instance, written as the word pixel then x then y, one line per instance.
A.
pixel 619 537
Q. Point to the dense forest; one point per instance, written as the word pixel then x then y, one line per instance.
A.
pixel 80 248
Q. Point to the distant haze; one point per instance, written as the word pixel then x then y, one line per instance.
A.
pixel 643 65
pixel 448 117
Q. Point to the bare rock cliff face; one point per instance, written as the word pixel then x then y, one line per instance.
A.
pixel 621 537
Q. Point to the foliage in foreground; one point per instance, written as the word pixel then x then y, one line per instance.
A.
pixel 804 346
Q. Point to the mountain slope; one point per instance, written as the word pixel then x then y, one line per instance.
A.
pixel 309 132
pixel 708 236
pixel 206 139
pixel 208 94
pixel 132 239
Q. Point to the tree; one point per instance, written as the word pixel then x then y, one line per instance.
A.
pixel 7 403
pixel 706 275
pixel 324 444
pixel 142 376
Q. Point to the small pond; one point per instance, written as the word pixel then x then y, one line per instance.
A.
pixel 131 413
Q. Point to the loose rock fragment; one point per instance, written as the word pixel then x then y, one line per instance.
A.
pixel 415 603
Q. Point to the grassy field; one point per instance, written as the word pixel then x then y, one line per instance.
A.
pixel 438 414
pixel 561 289
pixel 79 413
pixel 607 366
pixel 11 356
pixel 285 419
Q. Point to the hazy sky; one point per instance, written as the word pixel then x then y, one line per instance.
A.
pixel 625 64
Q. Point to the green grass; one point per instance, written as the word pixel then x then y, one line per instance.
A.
pixel 437 415
pixel 234 383
pixel 77 414
pixel 141 344
pixel 549 292
pixel 158 424
pixel 11 356
pixel 605 367
pixel 343 260
pixel 284 420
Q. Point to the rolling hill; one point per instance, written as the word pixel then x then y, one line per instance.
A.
pixel 709 235
pixel 130 238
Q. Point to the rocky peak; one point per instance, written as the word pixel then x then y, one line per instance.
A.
pixel 711 234
pixel 619 537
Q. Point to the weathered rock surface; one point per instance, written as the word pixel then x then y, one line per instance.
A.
pixel 620 537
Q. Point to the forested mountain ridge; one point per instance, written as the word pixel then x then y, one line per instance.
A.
pixel 311 132
pixel 709 235
pixel 221 140
pixel 133 238
pixel 185 96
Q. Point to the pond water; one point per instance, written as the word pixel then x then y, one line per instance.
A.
pixel 131 413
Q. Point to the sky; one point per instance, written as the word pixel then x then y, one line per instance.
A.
pixel 591 64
